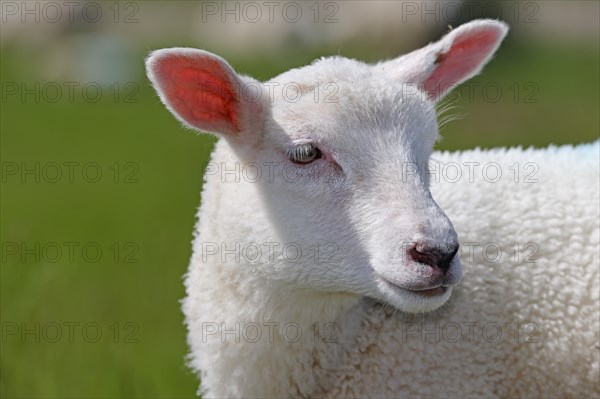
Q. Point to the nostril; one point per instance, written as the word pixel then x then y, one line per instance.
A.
pixel 435 256
pixel 420 253
pixel 444 262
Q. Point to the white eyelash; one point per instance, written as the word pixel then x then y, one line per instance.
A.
pixel 301 151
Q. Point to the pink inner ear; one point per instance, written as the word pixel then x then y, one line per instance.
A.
pixel 465 56
pixel 199 91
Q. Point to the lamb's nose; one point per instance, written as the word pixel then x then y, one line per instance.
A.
pixel 436 256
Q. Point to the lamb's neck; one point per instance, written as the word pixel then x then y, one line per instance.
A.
pixel 302 331
pixel 284 303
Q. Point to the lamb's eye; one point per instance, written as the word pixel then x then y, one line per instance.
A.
pixel 304 153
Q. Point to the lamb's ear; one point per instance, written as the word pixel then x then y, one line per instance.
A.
pixel 458 56
pixel 204 92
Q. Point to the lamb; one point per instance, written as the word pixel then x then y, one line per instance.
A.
pixel 322 266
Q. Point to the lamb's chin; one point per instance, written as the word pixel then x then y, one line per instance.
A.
pixel 416 301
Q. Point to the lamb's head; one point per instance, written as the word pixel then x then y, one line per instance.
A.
pixel 342 148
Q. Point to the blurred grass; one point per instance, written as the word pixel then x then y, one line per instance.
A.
pixel 156 213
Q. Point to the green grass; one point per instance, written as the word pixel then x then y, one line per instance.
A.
pixel 151 220
pixel 155 214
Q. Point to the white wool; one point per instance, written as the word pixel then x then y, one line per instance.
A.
pixel 510 328
pixel 325 264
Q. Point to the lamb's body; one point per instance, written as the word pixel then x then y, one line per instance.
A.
pixel 511 328
pixel 302 276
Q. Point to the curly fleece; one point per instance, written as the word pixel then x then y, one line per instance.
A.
pixel 524 321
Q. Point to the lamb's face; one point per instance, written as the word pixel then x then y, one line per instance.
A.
pixel 344 147
pixel 350 185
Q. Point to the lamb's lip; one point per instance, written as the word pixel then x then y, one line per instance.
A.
pixel 436 290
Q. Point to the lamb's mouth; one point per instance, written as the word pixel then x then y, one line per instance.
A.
pixel 429 292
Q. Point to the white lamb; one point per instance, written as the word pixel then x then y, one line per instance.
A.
pixel 319 246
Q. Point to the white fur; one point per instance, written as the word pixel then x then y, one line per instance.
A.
pixel 334 325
